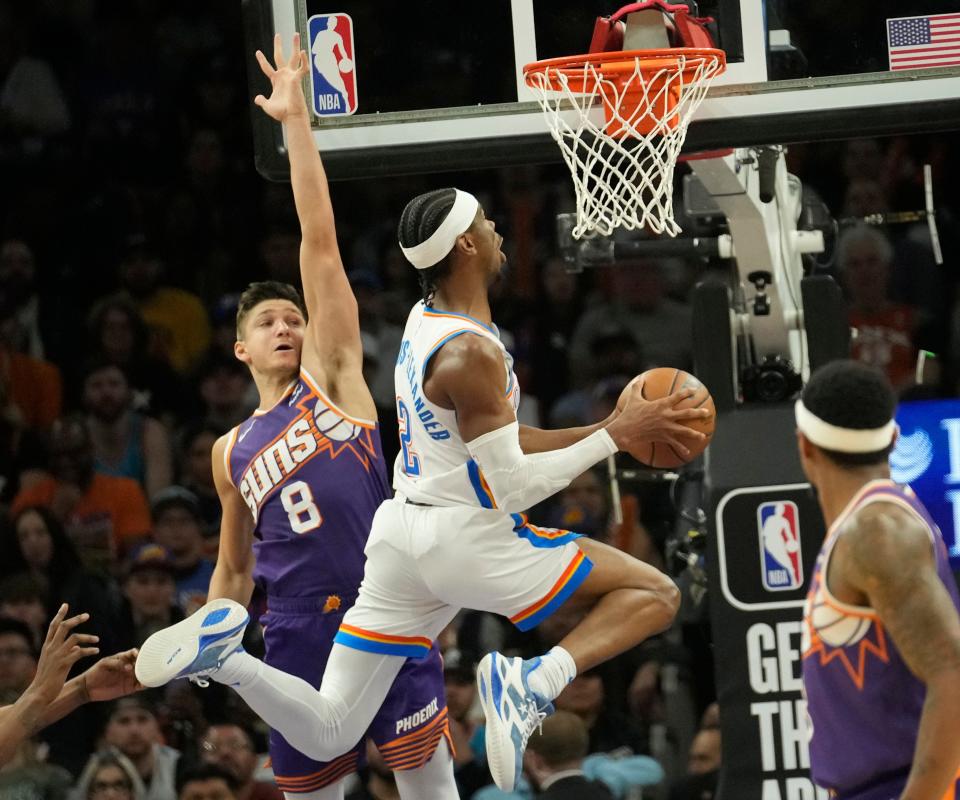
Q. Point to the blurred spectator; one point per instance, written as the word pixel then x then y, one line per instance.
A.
pixel 885 330
pixel 206 782
pixel 554 317
pixel 150 592
pixel 195 470
pixel 227 391
pixel 554 760
pixel 583 506
pixel 132 731
pixel 180 330
pixel 182 714
pixel 103 515
pixel 615 358
pixel 31 390
pixel 119 334
pixel 26 775
pixel 379 782
pixel 639 303
pixel 368 290
pixel 230 747
pixel 915 277
pixel 18 277
pixel 279 251
pixel 703 768
pixel 22 598
pixel 18 656
pixel 32 106
pixel 126 442
pixel 224 319
pixel 40 547
pixel 178 528
pixel 460 680
pixel 608 729
pixel 108 775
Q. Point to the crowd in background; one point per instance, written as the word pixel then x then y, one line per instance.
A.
pixel 131 217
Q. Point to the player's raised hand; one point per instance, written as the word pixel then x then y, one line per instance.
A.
pixel 61 650
pixel 286 79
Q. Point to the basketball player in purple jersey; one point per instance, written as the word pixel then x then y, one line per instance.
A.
pixel 881 637
pixel 300 481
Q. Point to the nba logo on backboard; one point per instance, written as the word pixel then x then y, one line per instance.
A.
pixel 332 68
pixel 781 562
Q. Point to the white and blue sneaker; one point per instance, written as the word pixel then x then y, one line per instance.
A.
pixel 194 648
pixel 513 712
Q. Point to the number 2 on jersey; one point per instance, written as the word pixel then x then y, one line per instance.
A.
pixel 411 461
pixel 298 502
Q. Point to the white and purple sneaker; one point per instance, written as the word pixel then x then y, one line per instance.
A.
pixel 513 712
pixel 194 648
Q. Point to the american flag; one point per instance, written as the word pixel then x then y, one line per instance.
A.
pixel 918 42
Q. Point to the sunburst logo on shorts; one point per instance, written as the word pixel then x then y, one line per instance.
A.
pixel 911 457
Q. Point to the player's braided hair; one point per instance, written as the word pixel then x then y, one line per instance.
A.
pixel 422 216
pixel 850 394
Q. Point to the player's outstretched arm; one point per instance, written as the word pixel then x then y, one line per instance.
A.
pixel 61 650
pixel 887 554
pixel 233 573
pixel 333 332
pixel 467 375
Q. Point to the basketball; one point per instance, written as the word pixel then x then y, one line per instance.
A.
pixel 660 382
pixel 345 65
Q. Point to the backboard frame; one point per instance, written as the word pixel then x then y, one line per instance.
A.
pixel 742 109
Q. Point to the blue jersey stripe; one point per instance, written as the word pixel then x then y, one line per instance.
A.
pixel 473 472
pixel 383 648
pixel 572 584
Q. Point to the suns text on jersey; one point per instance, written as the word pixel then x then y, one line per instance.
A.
pixel 278 460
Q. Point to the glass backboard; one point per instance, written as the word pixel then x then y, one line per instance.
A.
pixel 433 87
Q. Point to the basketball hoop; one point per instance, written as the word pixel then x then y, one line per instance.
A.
pixel 623 168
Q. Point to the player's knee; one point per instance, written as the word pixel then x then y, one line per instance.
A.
pixel 666 596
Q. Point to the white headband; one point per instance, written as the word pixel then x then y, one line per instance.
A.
pixel 441 241
pixel 843 440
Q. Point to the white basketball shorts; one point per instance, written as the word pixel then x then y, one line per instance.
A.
pixel 425 563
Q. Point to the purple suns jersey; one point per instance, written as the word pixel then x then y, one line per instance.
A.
pixel 312 478
pixel 863 702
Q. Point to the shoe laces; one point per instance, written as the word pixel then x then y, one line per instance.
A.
pixel 202 678
pixel 534 720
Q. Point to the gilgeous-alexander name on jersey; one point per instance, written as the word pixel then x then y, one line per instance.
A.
pixel 434 465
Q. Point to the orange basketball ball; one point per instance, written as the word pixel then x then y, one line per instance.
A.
pixel 660 382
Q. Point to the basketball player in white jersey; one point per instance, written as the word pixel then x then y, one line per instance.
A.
pixel 454 535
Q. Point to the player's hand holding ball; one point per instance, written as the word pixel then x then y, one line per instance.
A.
pixel 665 418
pixel 345 65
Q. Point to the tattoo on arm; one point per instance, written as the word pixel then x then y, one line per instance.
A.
pixel 888 555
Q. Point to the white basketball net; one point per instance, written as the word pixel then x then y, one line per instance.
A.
pixel 624 180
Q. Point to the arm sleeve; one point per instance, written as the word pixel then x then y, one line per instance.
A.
pixel 518 481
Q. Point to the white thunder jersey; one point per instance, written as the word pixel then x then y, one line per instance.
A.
pixel 434 466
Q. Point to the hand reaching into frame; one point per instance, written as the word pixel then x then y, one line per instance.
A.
pixel 286 79
pixel 61 650
pixel 111 677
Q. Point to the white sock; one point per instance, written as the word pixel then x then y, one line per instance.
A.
pixel 556 670
pixel 239 669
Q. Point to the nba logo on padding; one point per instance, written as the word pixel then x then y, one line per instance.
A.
pixel 332 70
pixel 781 562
